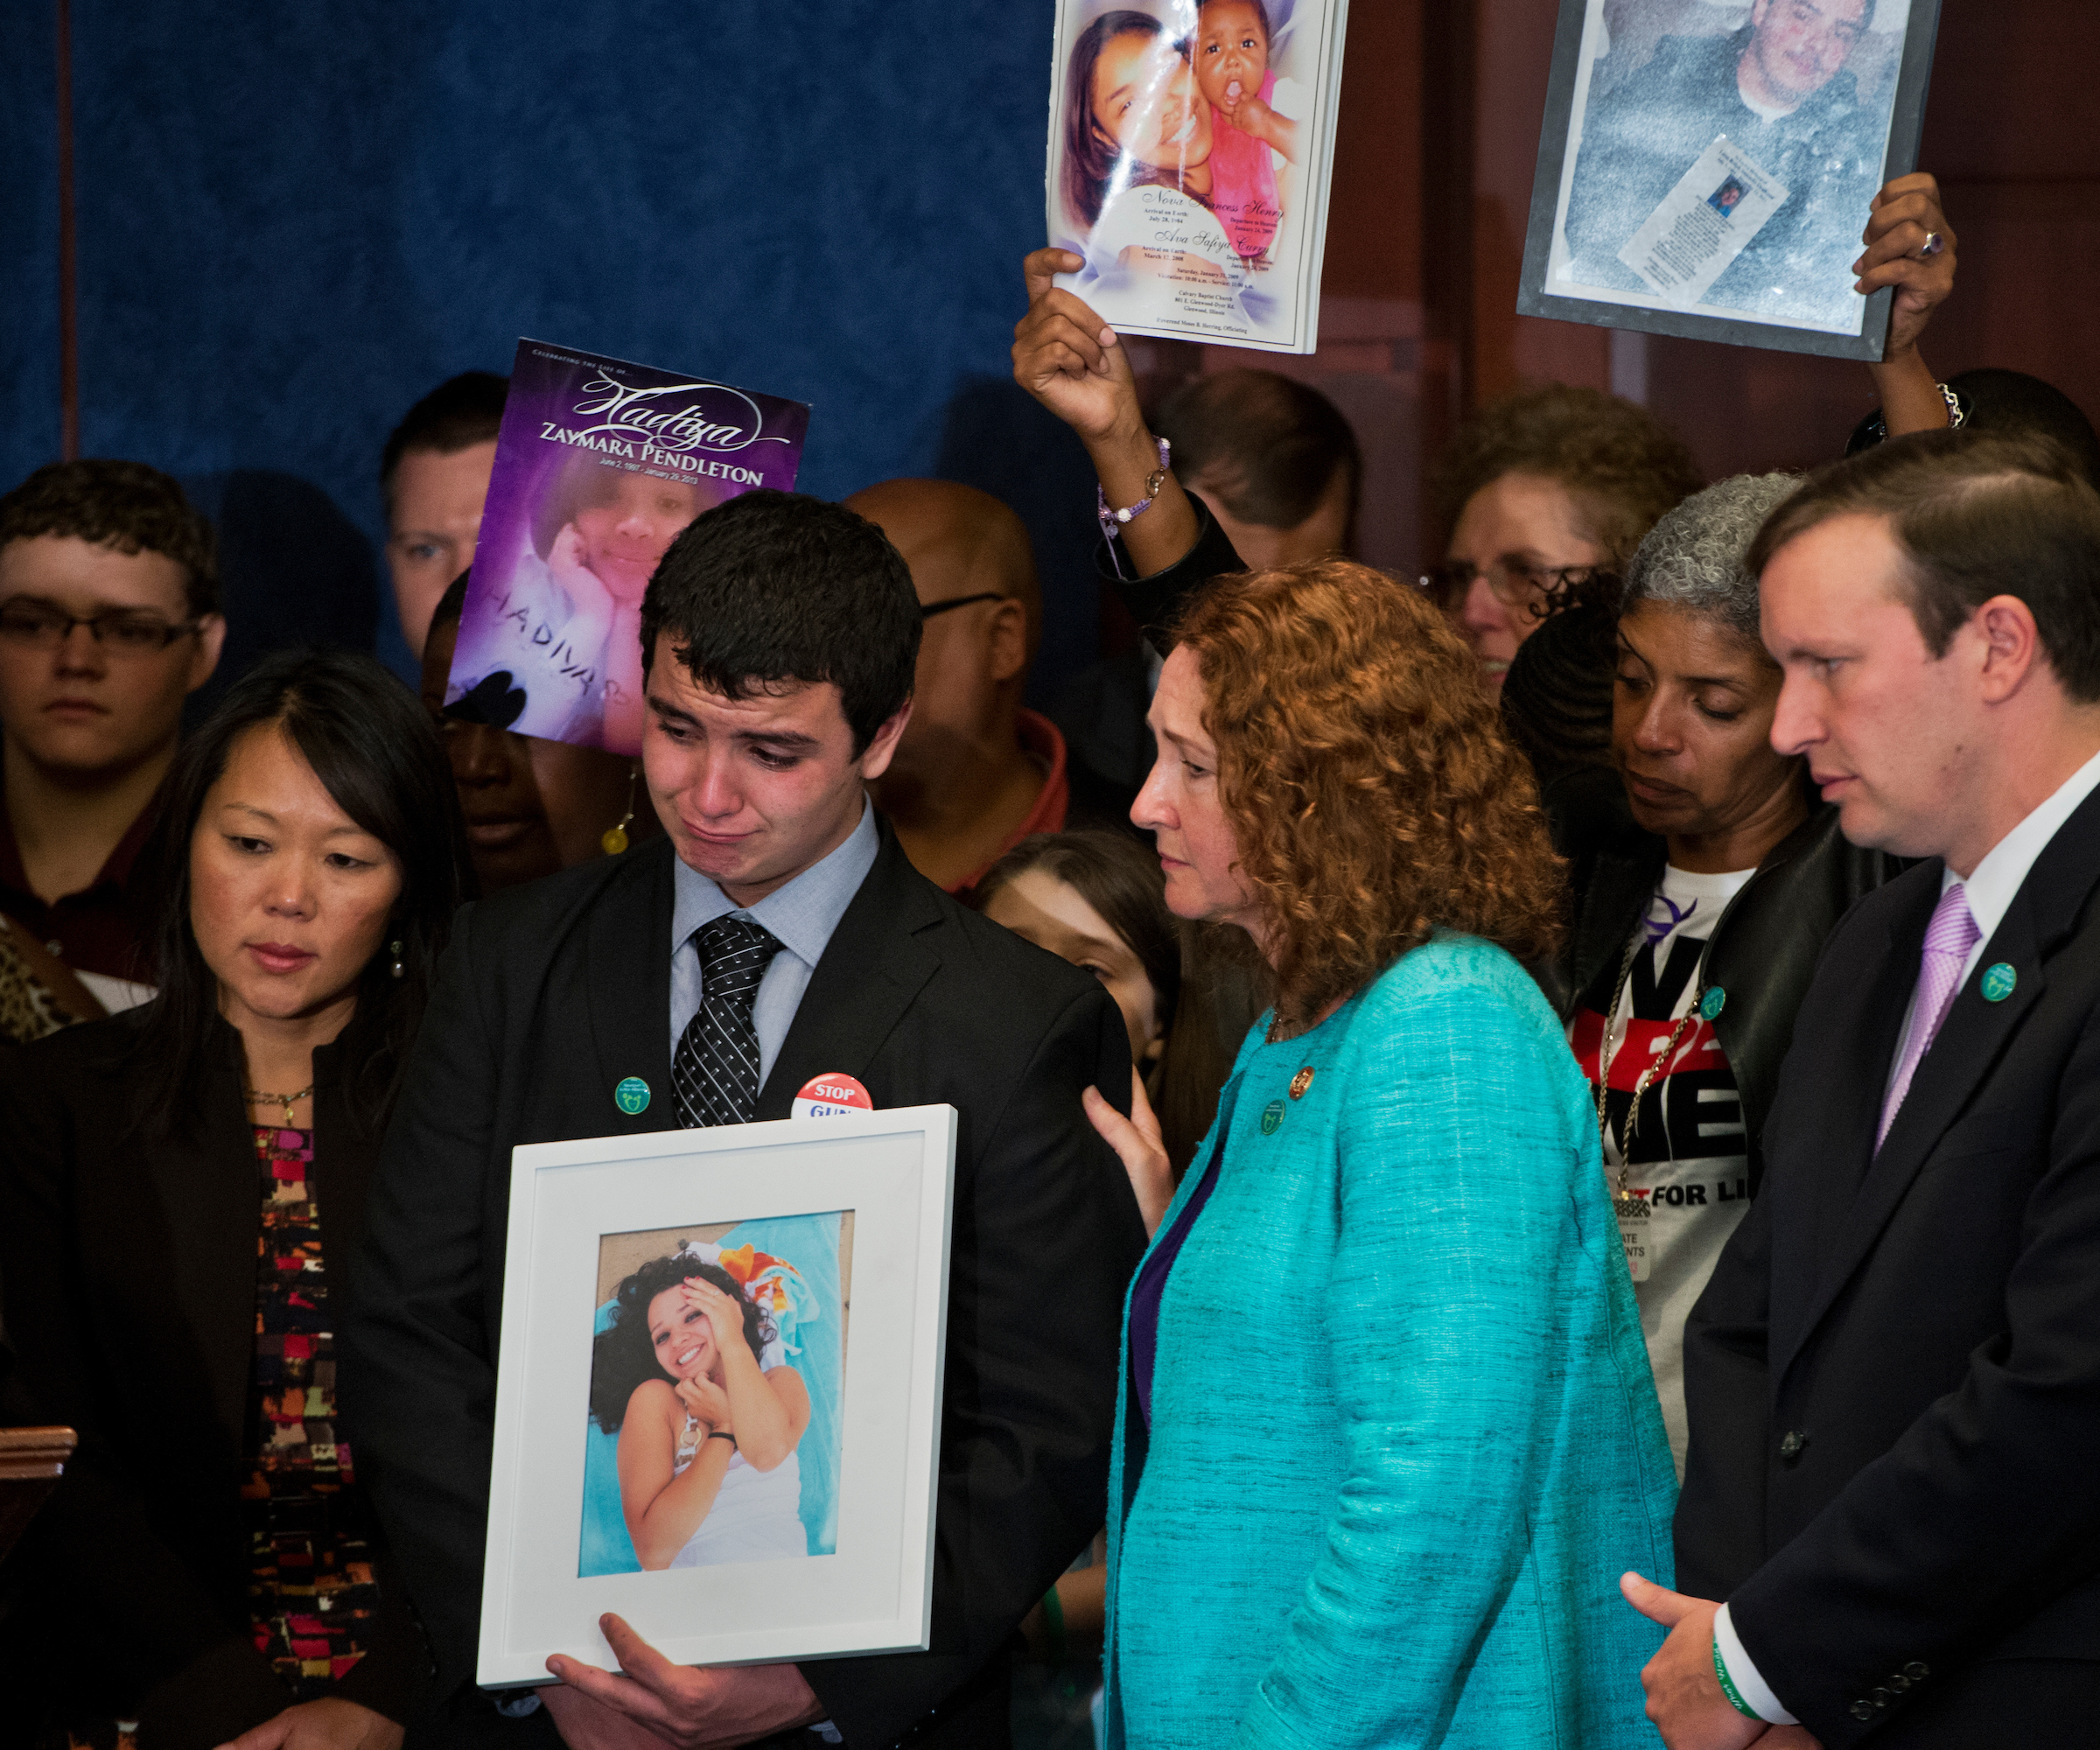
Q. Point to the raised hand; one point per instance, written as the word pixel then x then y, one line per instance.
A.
pixel 1068 358
pixel 1906 213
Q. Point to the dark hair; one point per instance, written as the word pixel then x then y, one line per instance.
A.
pixel 460 413
pixel 1557 699
pixel 584 479
pixel 622 1357
pixel 1623 465
pixel 1974 517
pixel 126 506
pixel 1267 445
pixel 376 754
pixel 452 604
pixel 2008 403
pixel 2012 403
pixel 1118 876
pixel 1090 158
pixel 776 586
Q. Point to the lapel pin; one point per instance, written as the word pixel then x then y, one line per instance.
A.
pixel 1273 1115
pixel 1299 1082
pixel 632 1096
pixel 826 1095
pixel 1998 981
pixel 1712 1003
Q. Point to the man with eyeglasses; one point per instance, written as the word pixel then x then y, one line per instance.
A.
pixel 975 771
pixel 108 620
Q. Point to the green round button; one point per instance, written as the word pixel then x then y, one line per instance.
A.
pixel 1998 981
pixel 1273 1115
pixel 632 1096
pixel 1712 1003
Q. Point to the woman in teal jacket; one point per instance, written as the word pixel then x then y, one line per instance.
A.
pixel 1388 1435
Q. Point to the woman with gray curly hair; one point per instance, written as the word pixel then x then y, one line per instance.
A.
pixel 1696 935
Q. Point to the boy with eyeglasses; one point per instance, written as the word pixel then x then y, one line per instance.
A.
pixel 108 620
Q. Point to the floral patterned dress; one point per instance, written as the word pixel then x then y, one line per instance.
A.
pixel 313 1601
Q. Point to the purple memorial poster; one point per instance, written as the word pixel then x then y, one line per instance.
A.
pixel 598 465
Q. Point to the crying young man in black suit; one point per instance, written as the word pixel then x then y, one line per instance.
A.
pixel 1890 1532
pixel 777 934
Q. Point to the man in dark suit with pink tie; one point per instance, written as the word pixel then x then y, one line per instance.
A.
pixel 1890 1528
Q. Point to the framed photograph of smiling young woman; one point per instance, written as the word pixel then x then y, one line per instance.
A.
pixel 718 1394
pixel 1706 168
pixel 599 463
pixel 1190 146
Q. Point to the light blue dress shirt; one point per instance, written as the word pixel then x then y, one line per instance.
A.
pixel 801 915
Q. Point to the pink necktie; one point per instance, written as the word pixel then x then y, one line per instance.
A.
pixel 1948 937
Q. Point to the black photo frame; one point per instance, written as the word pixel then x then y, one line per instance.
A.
pixel 1580 29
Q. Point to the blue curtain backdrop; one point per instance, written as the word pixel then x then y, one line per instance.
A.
pixel 294 221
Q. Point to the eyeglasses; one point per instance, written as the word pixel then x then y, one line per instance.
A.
pixel 1513 583
pixel 928 610
pixel 40 626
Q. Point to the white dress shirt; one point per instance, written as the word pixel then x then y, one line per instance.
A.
pixel 2001 874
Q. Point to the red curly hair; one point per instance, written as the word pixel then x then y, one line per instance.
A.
pixel 1372 796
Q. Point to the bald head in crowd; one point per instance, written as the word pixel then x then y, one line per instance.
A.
pixel 975 772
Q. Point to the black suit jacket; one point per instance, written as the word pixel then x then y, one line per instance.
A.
pixel 548 997
pixel 128 1266
pixel 1893 1376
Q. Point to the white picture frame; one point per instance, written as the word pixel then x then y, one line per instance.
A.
pixel 871 1591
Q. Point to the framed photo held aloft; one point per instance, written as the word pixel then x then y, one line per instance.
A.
pixel 1706 167
pixel 718 1393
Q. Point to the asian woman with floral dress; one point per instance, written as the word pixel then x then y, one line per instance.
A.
pixel 181 1185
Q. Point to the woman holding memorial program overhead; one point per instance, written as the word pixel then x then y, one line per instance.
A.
pixel 1387 1432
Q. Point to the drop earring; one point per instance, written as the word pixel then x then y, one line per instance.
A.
pixel 613 839
pixel 394 948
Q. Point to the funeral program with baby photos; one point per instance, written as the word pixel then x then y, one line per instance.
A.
pixel 1190 147
pixel 599 464
pixel 1706 168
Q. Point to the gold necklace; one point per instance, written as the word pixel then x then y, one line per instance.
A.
pixel 257 1097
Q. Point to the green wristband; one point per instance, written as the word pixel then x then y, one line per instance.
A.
pixel 1728 1688
pixel 1053 1618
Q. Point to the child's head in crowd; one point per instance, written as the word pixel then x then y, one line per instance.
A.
pixel 1097 899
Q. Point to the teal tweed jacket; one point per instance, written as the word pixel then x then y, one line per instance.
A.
pixel 1405 1439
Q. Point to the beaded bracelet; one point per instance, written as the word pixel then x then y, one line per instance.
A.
pixel 1112 520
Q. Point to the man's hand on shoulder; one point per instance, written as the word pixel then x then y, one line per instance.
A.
pixel 656 1703
pixel 1685 1697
